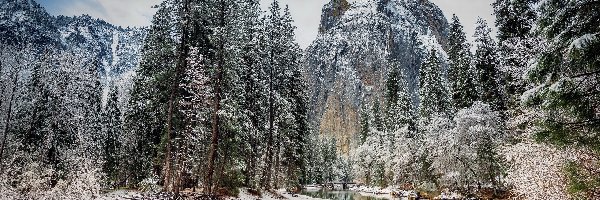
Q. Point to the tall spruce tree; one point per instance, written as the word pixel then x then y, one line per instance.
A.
pixel 514 18
pixel 487 66
pixel 433 89
pixel 461 73
pixel 294 142
pixel 112 134
pixel 147 114
pixel 517 46
pixel 399 106
pixel 568 92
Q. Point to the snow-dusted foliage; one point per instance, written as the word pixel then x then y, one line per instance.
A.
pixel 536 171
pixel 448 156
pixel 446 152
pixel 50 128
pixel 479 132
pixel 216 98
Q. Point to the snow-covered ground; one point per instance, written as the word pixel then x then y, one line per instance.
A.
pixel 245 195
pixel 121 194
pixel 386 193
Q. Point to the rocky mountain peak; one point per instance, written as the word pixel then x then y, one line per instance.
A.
pixel 331 13
pixel 347 64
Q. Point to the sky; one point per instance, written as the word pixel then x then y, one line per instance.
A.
pixel 306 13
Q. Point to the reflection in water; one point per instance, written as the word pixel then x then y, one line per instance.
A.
pixel 338 195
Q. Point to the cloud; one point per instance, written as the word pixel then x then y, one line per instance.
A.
pixel 118 12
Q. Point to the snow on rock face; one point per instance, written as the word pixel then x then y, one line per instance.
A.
pixel 115 50
pixel 347 64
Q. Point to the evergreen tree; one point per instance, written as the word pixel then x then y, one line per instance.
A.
pixel 273 35
pixel 146 118
pixel 461 74
pixel 365 124
pixel 517 45
pixel 377 121
pixel 112 133
pixel 296 95
pixel 255 93
pixel 399 112
pixel 514 18
pixel 566 75
pixel 433 89
pixel 391 99
pixel 487 66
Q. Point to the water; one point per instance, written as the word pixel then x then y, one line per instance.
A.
pixel 338 195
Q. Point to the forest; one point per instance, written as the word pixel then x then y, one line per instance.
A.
pixel 219 105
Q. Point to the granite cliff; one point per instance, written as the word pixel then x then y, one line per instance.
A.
pixel 347 64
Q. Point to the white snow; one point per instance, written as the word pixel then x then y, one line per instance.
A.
pixel 582 41
pixel 536 170
pixel 559 84
pixel 429 42
pixel 245 195
pixel 114 46
pixel 529 94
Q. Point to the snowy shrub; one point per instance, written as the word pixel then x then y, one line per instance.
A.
pixel 83 182
pixel 404 160
pixel 26 177
pixel 443 149
pixel 150 185
pixel 478 133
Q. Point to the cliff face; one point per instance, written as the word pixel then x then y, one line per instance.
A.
pixel 347 64
pixel 115 49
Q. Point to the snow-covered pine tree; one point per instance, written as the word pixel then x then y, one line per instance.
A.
pixel 399 106
pixel 228 22
pixel 12 63
pixel 282 67
pixel 56 122
pixel 391 99
pixel 433 89
pixel 377 113
pixel 255 93
pixel 514 18
pixel 460 74
pixel 517 46
pixel 112 130
pixel 487 66
pixel 294 141
pixel 365 124
pixel 566 74
pixel 147 109
pixel 273 25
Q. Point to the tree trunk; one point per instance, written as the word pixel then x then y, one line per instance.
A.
pixel 216 107
pixel 167 167
pixel 181 65
pixel 269 169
